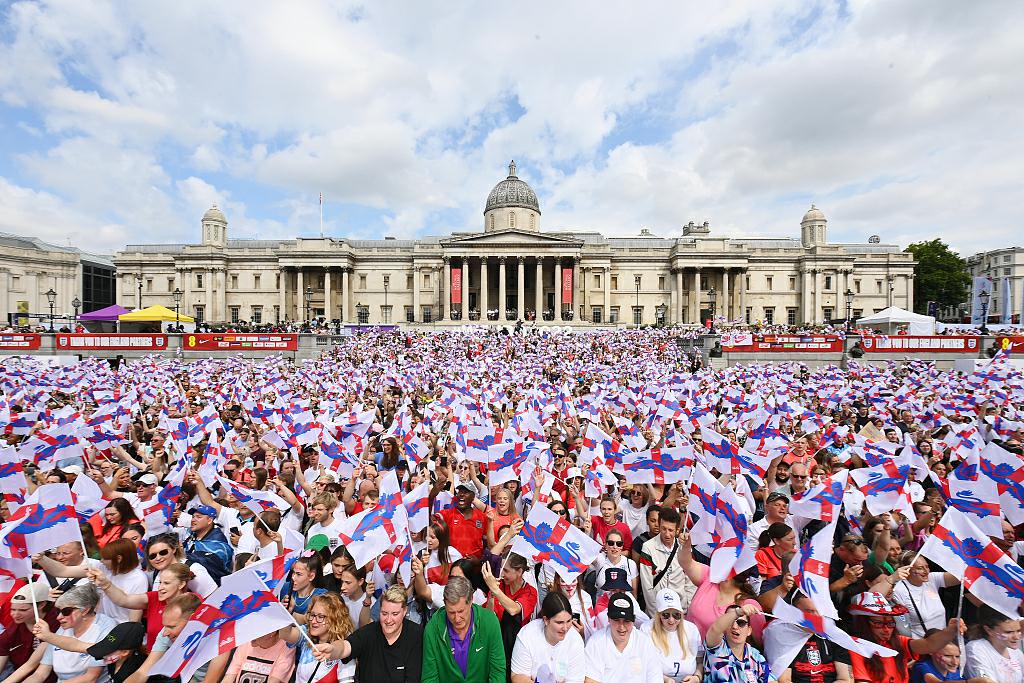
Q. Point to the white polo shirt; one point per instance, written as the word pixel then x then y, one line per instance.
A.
pixel 532 652
pixel 639 661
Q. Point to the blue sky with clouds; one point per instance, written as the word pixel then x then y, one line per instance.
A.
pixel 122 122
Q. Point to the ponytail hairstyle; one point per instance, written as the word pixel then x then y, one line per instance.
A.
pixel 774 532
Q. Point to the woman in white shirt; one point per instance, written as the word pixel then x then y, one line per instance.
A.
pixel 120 564
pixel 615 556
pixel 676 639
pixel 994 652
pixel 919 593
pixel 549 648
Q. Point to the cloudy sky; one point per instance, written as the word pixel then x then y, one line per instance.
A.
pixel 122 122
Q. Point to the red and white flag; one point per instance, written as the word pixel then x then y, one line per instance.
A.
pixel 810 567
pixel 550 538
pixel 46 520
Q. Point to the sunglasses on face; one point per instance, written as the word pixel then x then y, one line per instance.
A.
pixel 159 553
pixel 674 615
pixel 742 623
pixel 614 544
pixel 67 611
pixel 854 541
pixel 798 476
pixel 564 513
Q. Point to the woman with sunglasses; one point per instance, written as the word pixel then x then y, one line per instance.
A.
pixel 874 619
pixel 329 622
pixel 993 650
pixel 633 507
pixel 76 614
pixel 677 639
pixel 163 551
pixel 614 555
pixel 728 657
pixel 173 582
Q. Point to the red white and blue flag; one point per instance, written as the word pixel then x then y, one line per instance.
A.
pixel 46 520
pixel 1006 469
pixel 810 567
pixel 658 465
pixel 257 501
pixel 551 539
pixel 371 532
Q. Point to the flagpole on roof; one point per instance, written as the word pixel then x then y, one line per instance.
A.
pixel 321 214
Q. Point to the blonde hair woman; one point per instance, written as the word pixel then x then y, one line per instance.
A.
pixel 328 621
pixel 677 639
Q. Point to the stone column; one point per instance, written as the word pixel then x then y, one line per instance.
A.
pixel 695 298
pixel 446 302
pixel 521 288
pixel 1007 305
pixel 437 291
pixel 223 294
pixel 300 296
pixel 502 294
pixel 741 287
pixel 5 293
pixel 465 288
pixel 345 295
pixel 726 303
pixel 328 303
pixel 607 294
pixel 806 295
pixel 282 294
pixel 208 309
pixel 558 288
pixel 673 297
pixel 415 294
pixel 185 278
pixel 538 284
pixel 576 288
pixel 677 304
pixel 483 288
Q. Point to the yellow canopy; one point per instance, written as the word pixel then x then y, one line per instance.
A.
pixel 154 314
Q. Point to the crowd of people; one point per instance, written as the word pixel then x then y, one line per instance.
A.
pixel 682 549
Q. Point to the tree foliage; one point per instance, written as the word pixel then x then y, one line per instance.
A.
pixel 940 275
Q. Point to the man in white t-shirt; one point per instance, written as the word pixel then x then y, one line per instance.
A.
pixel 325 523
pixel 549 647
pixel 620 653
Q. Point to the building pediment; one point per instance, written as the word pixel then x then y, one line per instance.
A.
pixel 511 237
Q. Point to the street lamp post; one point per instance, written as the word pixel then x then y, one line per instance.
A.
pixel 51 296
pixel 138 283
pixel 387 311
pixel 892 288
pixel 984 312
pixel 713 299
pixel 76 303
pixel 309 300
pixel 177 305
pixel 849 309
pixel 636 314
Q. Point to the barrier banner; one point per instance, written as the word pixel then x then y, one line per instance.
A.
pixel 122 342
pixel 1011 344
pixel 240 342
pixel 567 286
pixel 929 344
pixel 20 342
pixel 789 344
pixel 456 285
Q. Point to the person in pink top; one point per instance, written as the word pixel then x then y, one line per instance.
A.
pixel 712 599
pixel 608 521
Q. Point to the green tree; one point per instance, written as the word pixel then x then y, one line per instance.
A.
pixel 940 275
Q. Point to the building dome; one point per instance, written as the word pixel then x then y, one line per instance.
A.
pixel 813 214
pixel 214 214
pixel 512 192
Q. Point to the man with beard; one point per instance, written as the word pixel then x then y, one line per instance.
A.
pixel 466 524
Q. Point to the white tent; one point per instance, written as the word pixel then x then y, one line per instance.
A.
pixel 892 319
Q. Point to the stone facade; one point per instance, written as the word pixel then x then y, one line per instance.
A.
pixel 1000 264
pixel 30 267
pixel 517 271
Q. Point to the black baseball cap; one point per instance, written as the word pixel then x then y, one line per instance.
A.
pixel 125 636
pixel 620 606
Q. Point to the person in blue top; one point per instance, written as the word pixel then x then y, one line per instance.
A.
pixel 298 592
pixel 207 544
pixel 943 665
pixel 389 455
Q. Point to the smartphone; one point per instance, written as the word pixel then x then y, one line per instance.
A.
pixel 444 461
pixel 576 617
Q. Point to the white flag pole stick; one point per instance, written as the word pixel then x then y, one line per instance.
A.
pixel 32 594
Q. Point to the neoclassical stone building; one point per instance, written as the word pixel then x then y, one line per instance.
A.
pixel 512 270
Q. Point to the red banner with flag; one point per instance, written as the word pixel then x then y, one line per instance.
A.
pixel 567 286
pixel 456 285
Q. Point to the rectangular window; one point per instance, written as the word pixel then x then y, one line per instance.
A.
pixel 827 311
pixel 597 282
pixel 615 281
pixel 363 312
pixel 703 283
pixel 1006 271
pixel 277 313
pixel 255 281
pixel 149 284
pixel 828 282
pixel 596 314
pixel 16 283
pixel 1006 258
pixel 661 282
pixel 277 282
pixel 769 282
pixel 613 315
pixel 233 312
pixel 234 282
pixel 749 314
pixel 385 314
pixel 638 315
pixel 409 318
pixel 856 286
pixel 428 314
pixel 792 284
pixel 199 280
pixel 200 314
pixel 747 279
pixel 769 315
pixel 426 280
pixel 170 284
pixel 362 285
pixel 878 286
pixel 791 316
pixel 858 313
pixel 408 282
pixel 257 315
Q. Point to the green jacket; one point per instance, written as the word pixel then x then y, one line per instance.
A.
pixel 486 661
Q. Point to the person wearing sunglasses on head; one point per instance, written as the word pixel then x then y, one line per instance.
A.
pixel 846 570
pixel 728 658
pixel 874 619
pixel 677 639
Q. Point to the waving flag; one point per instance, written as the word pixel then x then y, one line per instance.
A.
pixel 885 487
pixel 874 453
pixel 1006 469
pixel 659 465
pixel 417 507
pixel 703 505
pixel 241 610
pixel 46 520
pixel 46 449
pixel 273 571
pixel 257 501
pixel 371 532
pixel 87 498
pixel 973 494
pixel 338 458
pixel 158 514
pixel 479 439
pixel 810 567
pixel 597 478
pixel 551 539
pixel 785 651
pixel 718 446
pixel 963 550
pixel 597 443
pixel 732 553
pixel 505 460
pixel 823 501
pixel 12 476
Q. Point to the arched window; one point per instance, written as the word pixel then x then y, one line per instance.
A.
pixel 511 219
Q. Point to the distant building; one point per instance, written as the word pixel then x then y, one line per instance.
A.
pixel 516 271
pixel 1000 265
pixel 29 268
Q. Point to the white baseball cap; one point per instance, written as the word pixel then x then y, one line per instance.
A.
pixel 668 599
